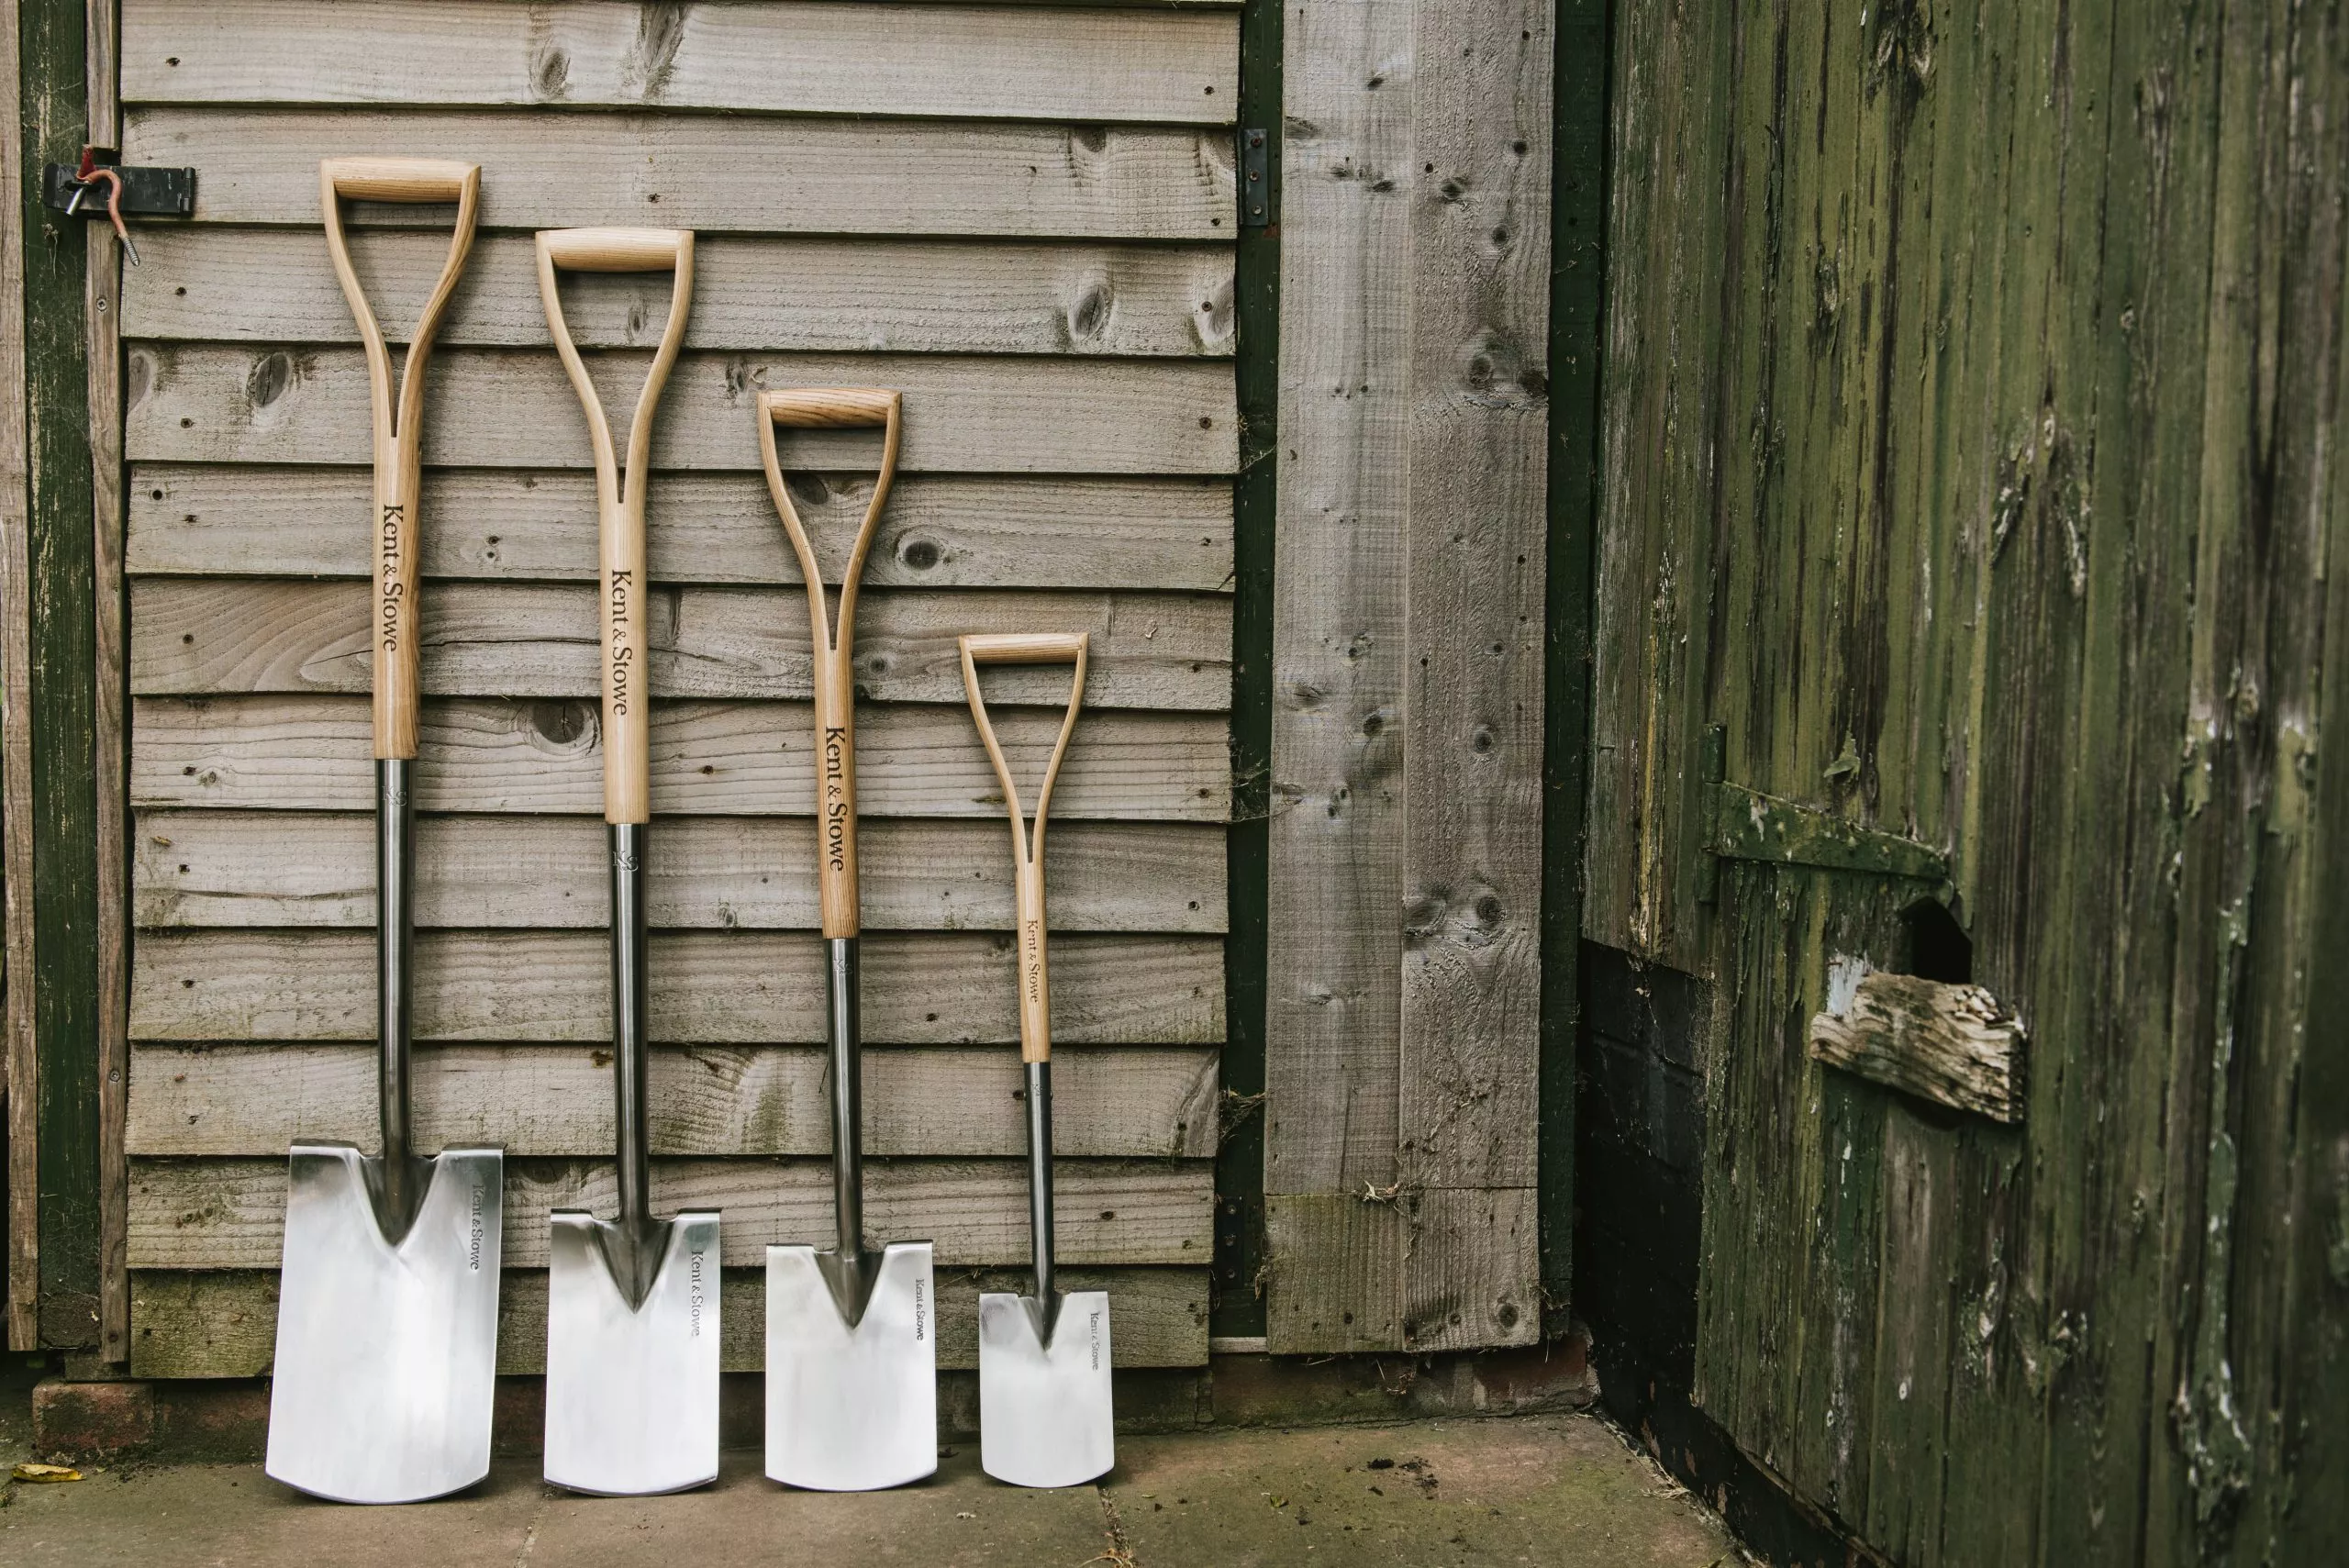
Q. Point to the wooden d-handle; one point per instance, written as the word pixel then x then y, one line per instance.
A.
pixel 834 408
pixel 621 609
pixel 1025 648
pixel 400 179
pixel 397 414
pixel 832 646
pixel 1027 846
pixel 618 249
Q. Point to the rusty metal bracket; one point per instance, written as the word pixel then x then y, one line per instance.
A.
pixel 148 190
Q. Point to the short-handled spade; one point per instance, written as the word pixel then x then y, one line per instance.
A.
pixel 632 1353
pixel 386 1357
pixel 852 1365
pixel 1044 1411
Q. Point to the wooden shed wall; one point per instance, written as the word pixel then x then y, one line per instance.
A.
pixel 1972 459
pixel 1021 215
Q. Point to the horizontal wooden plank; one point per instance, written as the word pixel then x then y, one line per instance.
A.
pixel 231 1214
pixel 224 1323
pixel 276 868
pixel 722 173
pixel 513 409
pixel 965 1100
pixel 821 57
pixel 193 636
pixel 709 987
pixel 941 532
pixel 751 292
pixel 311 753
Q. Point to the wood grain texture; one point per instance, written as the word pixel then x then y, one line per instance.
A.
pixel 762 292
pixel 231 1214
pixel 1333 959
pixel 1952 1044
pixel 1973 423
pixel 1129 1100
pixel 709 987
pixel 512 408
pixel 111 744
pixel 224 1323
pixel 19 1068
pixel 309 753
pixel 207 636
pixel 1038 64
pixel 282 869
pixel 817 175
pixel 1468 1056
pixel 947 532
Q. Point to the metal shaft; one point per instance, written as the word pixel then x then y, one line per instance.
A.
pixel 841 1032
pixel 395 966
pixel 628 1020
pixel 1040 1173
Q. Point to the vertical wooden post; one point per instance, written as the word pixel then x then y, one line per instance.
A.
pixel 110 755
pixel 60 601
pixel 18 1070
pixel 1404 967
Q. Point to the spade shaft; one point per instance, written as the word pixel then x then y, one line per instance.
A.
pixel 395 964
pixel 1040 1173
pixel 841 1035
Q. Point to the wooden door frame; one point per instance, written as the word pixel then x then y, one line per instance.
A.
pixel 63 787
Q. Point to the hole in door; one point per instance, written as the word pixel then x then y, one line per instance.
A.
pixel 1933 946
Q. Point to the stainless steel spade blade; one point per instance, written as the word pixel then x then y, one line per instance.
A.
pixel 632 1387
pixel 387 1350
pixel 852 1407
pixel 1044 1411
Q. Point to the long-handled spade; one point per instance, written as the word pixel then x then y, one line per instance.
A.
pixel 632 1366
pixel 1044 1413
pixel 852 1369
pixel 387 1310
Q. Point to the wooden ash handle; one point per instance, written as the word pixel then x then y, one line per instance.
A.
pixel 832 647
pixel 620 495
pixel 1027 845
pixel 397 414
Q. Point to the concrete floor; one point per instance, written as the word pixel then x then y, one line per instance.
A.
pixel 1558 1490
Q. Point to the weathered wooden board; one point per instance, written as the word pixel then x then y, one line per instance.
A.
pixel 513 409
pixel 1953 1044
pixel 218 635
pixel 709 987
pixel 276 868
pixel 310 753
pixel 1468 1060
pixel 813 175
pixel 231 1214
pixel 751 292
pixel 20 1050
pixel 1334 958
pixel 948 531
pixel 557 1100
pixel 1020 62
pixel 224 1323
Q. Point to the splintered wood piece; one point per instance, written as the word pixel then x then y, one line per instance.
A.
pixel 1956 1045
